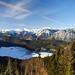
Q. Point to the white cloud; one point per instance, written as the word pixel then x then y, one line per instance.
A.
pixel 50 19
pixel 21 25
pixel 12 13
pixel 45 12
pixel 16 11
pixel 22 3
pixel 22 16
pixel 18 24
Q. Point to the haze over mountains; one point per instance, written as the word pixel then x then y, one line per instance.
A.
pixel 38 34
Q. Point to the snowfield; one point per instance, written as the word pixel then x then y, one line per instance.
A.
pixel 22 53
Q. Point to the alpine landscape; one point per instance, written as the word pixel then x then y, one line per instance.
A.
pixel 37 37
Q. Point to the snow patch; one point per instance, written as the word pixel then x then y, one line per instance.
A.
pixel 22 53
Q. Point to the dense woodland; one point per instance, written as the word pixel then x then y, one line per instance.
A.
pixel 32 44
pixel 62 62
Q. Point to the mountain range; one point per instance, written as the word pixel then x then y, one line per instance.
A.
pixel 40 34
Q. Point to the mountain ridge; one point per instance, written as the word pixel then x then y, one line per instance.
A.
pixel 39 34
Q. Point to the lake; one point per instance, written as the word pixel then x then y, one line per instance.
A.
pixel 22 53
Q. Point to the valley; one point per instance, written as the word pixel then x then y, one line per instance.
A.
pixel 27 52
pixel 37 37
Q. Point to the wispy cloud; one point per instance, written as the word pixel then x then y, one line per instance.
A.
pixel 52 20
pixel 22 16
pixel 17 11
pixel 15 7
pixel 21 25
pixel 45 12
pixel 18 24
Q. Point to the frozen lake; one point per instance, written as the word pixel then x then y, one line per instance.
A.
pixel 22 53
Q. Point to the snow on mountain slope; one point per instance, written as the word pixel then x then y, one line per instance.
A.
pixel 10 32
pixel 32 34
pixel 3 31
pixel 41 33
pixel 37 32
pixel 66 35
pixel 17 33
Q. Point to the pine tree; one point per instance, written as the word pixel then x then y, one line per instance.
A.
pixel 73 54
pixel 69 70
pixel 73 48
pixel 16 67
pixel 9 70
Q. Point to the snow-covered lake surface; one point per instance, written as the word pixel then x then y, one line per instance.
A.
pixel 22 53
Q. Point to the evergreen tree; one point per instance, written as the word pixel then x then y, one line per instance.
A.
pixel 73 48
pixel 9 70
pixel 16 67
pixel 69 70
pixel 73 54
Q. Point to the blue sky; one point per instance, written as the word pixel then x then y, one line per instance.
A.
pixel 35 14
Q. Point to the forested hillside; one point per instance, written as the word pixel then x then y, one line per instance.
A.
pixel 32 44
pixel 62 62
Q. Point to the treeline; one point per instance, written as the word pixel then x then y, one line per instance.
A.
pixel 33 66
pixel 32 44
pixel 62 62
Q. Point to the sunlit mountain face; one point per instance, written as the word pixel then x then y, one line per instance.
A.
pixel 40 34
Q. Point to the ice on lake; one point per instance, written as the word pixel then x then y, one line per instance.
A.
pixel 22 53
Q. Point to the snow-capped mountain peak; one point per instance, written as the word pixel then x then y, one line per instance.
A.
pixel 4 30
pixel 46 28
pixel 40 33
pixel 43 33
